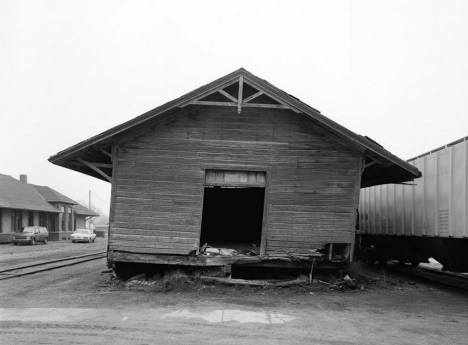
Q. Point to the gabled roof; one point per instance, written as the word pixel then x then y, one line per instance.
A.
pixel 18 195
pixel 51 195
pixel 15 194
pixel 84 211
pixel 238 89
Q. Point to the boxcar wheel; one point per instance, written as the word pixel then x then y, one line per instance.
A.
pixel 415 263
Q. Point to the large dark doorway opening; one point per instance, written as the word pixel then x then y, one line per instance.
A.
pixel 232 217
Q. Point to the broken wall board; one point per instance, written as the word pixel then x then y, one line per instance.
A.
pixel 184 260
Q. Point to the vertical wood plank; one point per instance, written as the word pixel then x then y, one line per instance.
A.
pixel 370 215
pixel 465 189
pixel 394 209
pixel 387 220
pixel 413 205
pixel 374 209
pixel 357 193
pixel 424 201
pixel 403 208
pixel 241 86
pixel 380 210
pixel 266 202
pixel 115 181
pixel 436 194
pixel 450 191
pixel 199 244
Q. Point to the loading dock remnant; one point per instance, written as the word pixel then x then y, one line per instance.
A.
pixel 236 164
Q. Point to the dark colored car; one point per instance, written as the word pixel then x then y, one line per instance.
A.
pixel 31 235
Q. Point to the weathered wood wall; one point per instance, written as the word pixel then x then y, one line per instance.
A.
pixel 160 180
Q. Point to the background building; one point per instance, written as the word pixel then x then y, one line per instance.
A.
pixel 23 204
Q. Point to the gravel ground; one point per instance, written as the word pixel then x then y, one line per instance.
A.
pixel 83 304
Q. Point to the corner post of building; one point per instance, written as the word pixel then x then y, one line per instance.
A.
pixel 72 214
pixel 66 214
pixel 357 193
pixel 60 218
pixel 115 153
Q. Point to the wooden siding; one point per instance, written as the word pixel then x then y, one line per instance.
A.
pixel 158 194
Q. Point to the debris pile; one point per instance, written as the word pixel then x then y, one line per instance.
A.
pixel 159 283
pixel 302 280
pixel 343 284
pixel 207 250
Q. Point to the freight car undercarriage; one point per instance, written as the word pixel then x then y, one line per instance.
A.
pixel 452 253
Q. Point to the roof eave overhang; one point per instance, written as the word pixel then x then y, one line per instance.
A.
pixel 349 138
pixel 28 208
pixel 107 137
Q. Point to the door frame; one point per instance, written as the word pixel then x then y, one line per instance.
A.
pixel 266 199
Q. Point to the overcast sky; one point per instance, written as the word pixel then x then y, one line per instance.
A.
pixel 396 71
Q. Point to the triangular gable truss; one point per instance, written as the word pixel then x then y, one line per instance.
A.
pixel 240 92
pixel 254 97
pixel 240 89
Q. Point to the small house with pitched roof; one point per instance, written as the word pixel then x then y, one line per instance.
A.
pixel 235 172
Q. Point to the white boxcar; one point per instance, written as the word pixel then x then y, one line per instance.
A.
pixel 427 218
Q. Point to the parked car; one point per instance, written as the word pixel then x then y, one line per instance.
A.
pixel 31 235
pixel 83 235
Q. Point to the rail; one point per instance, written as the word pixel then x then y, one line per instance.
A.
pixel 452 279
pixel 19 271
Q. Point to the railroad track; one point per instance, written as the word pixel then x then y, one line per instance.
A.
pixel 457 280
pixel 19 271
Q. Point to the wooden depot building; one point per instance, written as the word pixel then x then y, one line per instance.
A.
pixel 234 172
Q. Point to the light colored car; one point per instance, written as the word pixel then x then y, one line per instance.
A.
pixel 31 235
pixel 83 235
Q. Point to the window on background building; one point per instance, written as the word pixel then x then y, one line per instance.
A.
pixel 63 209
pixel 16 220
pixel 30 218
pixel 43 219
pixel 70 228
pixel 51 222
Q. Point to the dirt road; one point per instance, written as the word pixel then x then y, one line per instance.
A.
pixel 81 305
